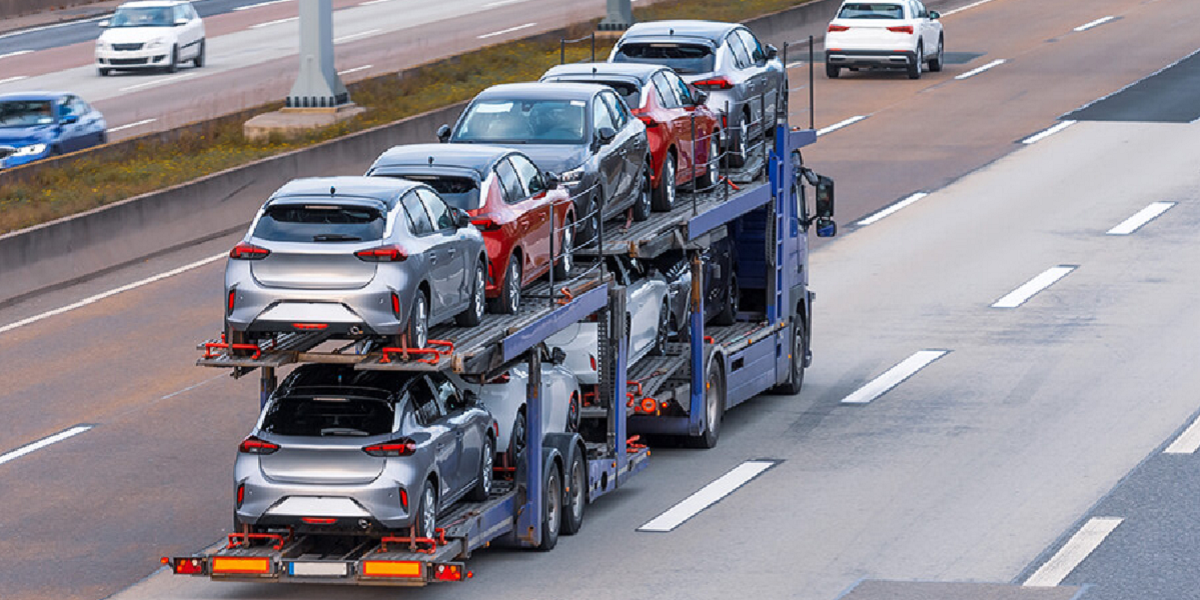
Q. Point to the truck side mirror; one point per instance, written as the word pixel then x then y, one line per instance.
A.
pixel 824 199
pixel 443 133
pixel 826 228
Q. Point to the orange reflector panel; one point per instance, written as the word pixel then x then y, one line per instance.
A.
pixel 238 564
pixel 391 568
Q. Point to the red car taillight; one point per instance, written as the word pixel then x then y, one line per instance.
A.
pixel 253 445
pixel 902 29
pixel 382 254
pixel 838 28
pixel 716 83
pixel 401 447
pixel 244 251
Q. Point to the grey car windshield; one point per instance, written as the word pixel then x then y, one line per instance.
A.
pixel 870 10
pixel 329 416
pixel 23 113
pixel 320 223
pixel 459 192
pixel 524 121
pixel 684 58
pixel 146 16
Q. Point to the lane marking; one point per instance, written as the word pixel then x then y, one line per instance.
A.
pixel 1187 442
pixel 131 125
pixel 12 79
pixel 268 3
pixel 793 65
pixel 1080 546
pixel 501 3
pixel 893 376
pixel 54 26
pixel 355 36
pixel 504 31
pixel 373 2
pixel 42 443
pixel 707 496
pixel 1046 279
pixel 113 292
pixel 275 22
pixel 976 71
pixel 1096 23
pixel 355 69
pixel 837 126
pixel 17 53
pixel 1142 217
pixel 1033 139
pixel 158 82
pixel 962 8
pixel 893 208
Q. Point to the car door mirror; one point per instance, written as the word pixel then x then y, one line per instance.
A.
pixel 181 22
pixel 461 219
pixel 605 135
pixel 443 133
pixel 934 15
pixel 772 52
pixel 558 356
pixel 552 180
pixel 470 398
pixel 699 96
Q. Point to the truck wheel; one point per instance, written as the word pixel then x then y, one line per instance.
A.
pixel 483 483
pixel 575 495
pixel 714 407
pixel 796 376
pixel 552 504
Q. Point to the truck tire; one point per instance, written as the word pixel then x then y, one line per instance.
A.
pixel 552 505
pixel 797 350
pixel 714 407
pixel 574 494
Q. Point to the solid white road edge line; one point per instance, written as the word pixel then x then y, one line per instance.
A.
pixel 355 69
pixel 113 292
pixel 275 22
pixel 1033 139
pixel 707 496
pixel 976 71
pixel 504 31
pixel 1046 279
pixel 42 443
pixel 158 82
pixel 501 3
pixel 1096 23
pixel 962 8
pixel 131 125
pixel 17 53
pixel 837 126
pixel 1080 546
pixel 270 2
pixel 355 36
pixel 893 376
pixel 1187 442
pixel 893 208
pixel 1142 217
pixel 12 79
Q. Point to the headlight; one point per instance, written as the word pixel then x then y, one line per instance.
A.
pixel 572 177
pixel 100 45
pixel 30 150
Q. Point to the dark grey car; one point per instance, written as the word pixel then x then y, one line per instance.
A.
pixel 583 132
pixel 338 450
pixel 744 78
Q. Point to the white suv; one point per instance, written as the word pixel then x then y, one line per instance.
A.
pixel 899 34
pixel 151 34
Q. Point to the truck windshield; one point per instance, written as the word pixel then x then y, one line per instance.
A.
pixel 320 223
pixel 684 58
pixel 329 416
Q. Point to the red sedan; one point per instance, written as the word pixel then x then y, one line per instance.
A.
pixel 509 200
pixel 684 134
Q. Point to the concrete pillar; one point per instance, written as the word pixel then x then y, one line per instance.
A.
pixel 620 16
pixel 318 84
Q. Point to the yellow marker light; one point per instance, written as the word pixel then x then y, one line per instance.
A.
pixel 391 568
pixel 251 565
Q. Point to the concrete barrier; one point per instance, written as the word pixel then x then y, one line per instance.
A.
pixel 17 8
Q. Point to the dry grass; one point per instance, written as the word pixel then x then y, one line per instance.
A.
pixel 151 165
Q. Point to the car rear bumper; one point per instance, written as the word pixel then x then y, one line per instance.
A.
pixel 877 59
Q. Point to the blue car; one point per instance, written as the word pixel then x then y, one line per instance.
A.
pixel 34 125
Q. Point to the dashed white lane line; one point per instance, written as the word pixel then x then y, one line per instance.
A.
pixel 837 126
pixel 893 377
pixel 12 79
pixel 42 443
pixel 893 208
pixel 1080 546
pixel 17 53
pixel 1046 279
pixel 261 4
pixel 1096 23
pixel 794 64
pixel 1140 218
pixel 1187 442
pixel 355 36
pixel 355 70
pixel 1037 137
pixel 500 3
pixel 504 31
pixel 373 2
pixel 131 125
pixel 157 82
pixel 976 71
pixel 275 22
pixel 967 7
pixel 707 496
pixel 112 292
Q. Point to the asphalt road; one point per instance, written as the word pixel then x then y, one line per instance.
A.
pixel 980 467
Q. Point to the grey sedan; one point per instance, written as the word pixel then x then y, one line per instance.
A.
pixel 355 256
pixel 338 450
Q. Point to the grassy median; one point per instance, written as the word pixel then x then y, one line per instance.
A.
pixel 89 183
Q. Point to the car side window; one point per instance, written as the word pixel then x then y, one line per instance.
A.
pixel 752 44
pixel 418 219
pixel 440 214
pixel 530 178
pixel 600 115
pixel 191 11
pixel 682 93
pixel 447 394
pixel 666 95
pixel 424 403
pixel 617 106
pixel 513 191
pixel 740 55
pixel 922 12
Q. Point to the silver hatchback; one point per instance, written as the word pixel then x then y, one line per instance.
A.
pixel 355 256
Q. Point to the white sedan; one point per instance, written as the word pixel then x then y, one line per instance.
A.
pixel 151 34
pixel 900 34
pixel 505 397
